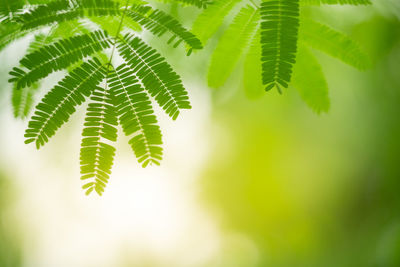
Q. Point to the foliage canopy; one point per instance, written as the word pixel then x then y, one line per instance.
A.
pixel 81 37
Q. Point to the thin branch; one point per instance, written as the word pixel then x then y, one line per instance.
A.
pixel 118 30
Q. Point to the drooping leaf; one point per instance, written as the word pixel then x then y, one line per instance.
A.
pixel 279 33
pixel 159 23
pixel 58 56
pixel 64 10
pixel 97 155
pixel 111 24
pixel 252 80
pixel 231 45
pixel 10 32
pixel 58 105
pixel 334 43
pixel 156 75
pixel 309 80
pixel 136 115
pixel 208 22
pixel 22 100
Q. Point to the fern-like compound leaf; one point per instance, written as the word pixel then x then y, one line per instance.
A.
pixel 159 23
pixel 42 14
pixel 155 73
pixel 58 56
pixel 156 21
pixel 64 10
pixel 22 100
pixel 231 45
pixel 136 115
pixel 65 45
pixel 69 28
pixel 335 2
pixel 11 8
pixel 111 24
pixel 252 80
pixel 39 41
pixel 334 43
pixel 208 22
pixel 97 155
pixel 59 103
pixel 309 80
pixel 279 34
pixel 10 32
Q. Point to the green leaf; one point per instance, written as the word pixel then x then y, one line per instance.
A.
pixel 208 22
pixel 309 80
pixel 58 105
pixel 156 75
pixel 159 23
pixel 231 45
pixel 127 98
pixel 111 24
pixel 9 32
pixel 96 155
pixel 279 30
pixel 252 80
pixel 22 100
pixel 39 41
pixel 67 29
pixel 136 115
pixel 334 43
pixel 58 56
pixel 63 10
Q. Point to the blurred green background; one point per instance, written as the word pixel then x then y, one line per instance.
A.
pixel 245 182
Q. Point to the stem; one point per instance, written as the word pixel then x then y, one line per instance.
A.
pixel 117 33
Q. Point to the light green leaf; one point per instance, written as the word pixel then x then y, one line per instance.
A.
pixel 22 100
pixel 309 80
pixel 208 22
pixel 334 43
pixel 231 46
pixel 97 155
pixel 252 80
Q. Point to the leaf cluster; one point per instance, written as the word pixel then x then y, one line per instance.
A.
pixel 274 38
pixel 81 37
